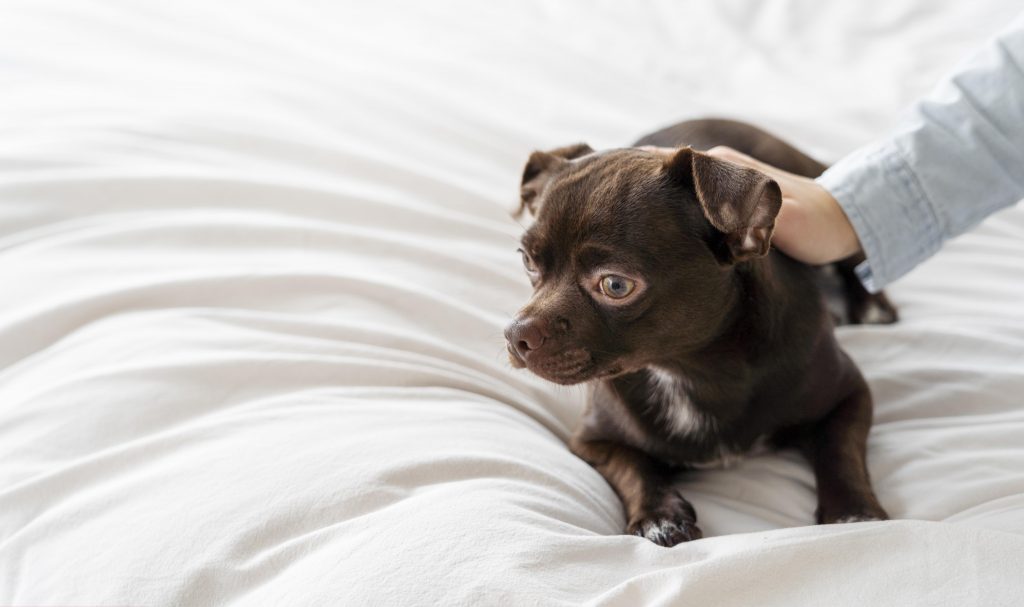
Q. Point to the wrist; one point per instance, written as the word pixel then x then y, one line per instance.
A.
pixel 846 241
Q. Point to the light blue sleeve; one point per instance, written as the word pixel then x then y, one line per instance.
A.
pixel 957 157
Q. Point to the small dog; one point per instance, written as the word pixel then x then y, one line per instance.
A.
pixel 654 281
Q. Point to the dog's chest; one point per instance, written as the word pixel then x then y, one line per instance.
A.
pixel 686 424
pixel 679 415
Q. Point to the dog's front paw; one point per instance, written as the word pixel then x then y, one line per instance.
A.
pixel 858 518
pixel 852 515
pixel 665 531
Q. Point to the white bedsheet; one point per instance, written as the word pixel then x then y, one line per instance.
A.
pixel 255 260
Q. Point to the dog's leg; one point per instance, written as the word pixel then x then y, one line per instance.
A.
pixel 654 509
pixel 863 307
pixel 837 448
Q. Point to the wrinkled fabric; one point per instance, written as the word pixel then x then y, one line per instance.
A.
pixel 256 258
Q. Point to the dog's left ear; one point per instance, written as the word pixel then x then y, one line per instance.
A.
pixel 539 170
pixel 739 202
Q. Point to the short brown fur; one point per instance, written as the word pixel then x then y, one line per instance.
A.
pixel 721 342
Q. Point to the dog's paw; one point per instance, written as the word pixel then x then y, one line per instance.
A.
pixel 857 518
pixel 858 515
pixel 665 531
pixel 875 309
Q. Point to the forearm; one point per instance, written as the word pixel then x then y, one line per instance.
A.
pixel 956 158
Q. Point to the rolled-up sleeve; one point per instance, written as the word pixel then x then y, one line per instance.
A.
pixel 957 157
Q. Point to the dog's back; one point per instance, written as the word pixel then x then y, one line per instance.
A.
pixel 710 132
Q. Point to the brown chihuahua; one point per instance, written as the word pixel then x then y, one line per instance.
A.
pixel 654 281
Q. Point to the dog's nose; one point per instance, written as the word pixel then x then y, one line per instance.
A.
pixel 526 335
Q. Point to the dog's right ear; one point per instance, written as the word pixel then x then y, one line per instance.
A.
pixel 739 202
pixel 539 170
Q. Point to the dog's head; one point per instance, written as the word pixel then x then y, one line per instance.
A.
pixel 632 254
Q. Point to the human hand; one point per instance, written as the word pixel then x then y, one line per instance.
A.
pixel 811 226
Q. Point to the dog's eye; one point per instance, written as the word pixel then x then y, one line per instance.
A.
pixel 528 263
pixel 617 287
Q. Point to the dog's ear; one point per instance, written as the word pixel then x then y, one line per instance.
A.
pixel 540 168
pixel 739 202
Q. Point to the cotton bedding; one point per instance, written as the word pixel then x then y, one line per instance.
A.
pixel 256 258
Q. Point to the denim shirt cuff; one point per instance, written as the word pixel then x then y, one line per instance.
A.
pixel 893 218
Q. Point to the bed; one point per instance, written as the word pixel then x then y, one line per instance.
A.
pixel 256 258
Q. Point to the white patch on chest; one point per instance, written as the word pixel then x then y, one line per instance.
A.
pixel 683 418
pixel 680 414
